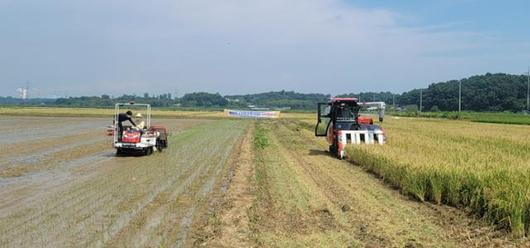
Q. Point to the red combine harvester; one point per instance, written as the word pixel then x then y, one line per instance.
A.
pixel 340 122
pixel 133 140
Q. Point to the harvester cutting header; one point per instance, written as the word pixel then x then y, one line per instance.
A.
pixel 340 122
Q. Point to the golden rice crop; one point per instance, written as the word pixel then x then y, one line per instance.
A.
pixel 482 167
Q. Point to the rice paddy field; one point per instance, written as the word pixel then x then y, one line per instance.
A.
pixel 100 112
pixel 261 183
pixel 486 117
pixel 484 168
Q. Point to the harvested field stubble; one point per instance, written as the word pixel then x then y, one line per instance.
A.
pixel 307 198
pixel 482 167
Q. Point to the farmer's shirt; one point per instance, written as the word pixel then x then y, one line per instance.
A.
pixel 124 117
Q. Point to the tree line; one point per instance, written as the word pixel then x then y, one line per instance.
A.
pixel 489 92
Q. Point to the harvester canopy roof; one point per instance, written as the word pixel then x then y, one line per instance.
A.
pixel 344 99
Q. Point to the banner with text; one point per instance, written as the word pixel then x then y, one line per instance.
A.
pixel 252 113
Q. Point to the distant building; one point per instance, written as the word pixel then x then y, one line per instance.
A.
pixel 23 93
pixel 259 109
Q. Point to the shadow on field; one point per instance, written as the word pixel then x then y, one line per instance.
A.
pixel 110 155
pixel 130 154
pixel 315 152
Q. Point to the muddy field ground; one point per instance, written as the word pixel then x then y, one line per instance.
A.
pixel 62 185
pixel 221 183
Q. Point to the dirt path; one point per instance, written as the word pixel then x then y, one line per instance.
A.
pixel 118 201
pixel 302 197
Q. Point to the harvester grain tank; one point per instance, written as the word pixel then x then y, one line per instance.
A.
pixel 340 122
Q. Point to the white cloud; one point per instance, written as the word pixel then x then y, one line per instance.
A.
pixel 322 42
pixel 236 46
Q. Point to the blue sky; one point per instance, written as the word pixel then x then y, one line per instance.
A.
pixel 503 17
pixel 73 47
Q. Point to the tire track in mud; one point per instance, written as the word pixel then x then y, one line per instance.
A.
pixel 92 211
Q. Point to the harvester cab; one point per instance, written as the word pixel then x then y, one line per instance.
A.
pixel 340 122
pixel 145 139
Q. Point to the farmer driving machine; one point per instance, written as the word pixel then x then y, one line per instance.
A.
pixel 340 122
pixel 143 138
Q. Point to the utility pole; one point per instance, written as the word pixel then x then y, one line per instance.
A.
pixel 528 93
pixel 394 101
pixel 421 99
pixel 459 97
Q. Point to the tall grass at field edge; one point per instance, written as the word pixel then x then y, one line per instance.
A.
pixel 485 117
pixel 502 198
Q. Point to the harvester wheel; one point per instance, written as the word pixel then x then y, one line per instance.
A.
pixel 332 149
pixel 159 145
pixel 119 152
pixel 148 151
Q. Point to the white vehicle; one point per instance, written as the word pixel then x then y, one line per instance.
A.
pixel 129 139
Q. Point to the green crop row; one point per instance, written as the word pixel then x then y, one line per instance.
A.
pixel 260 140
